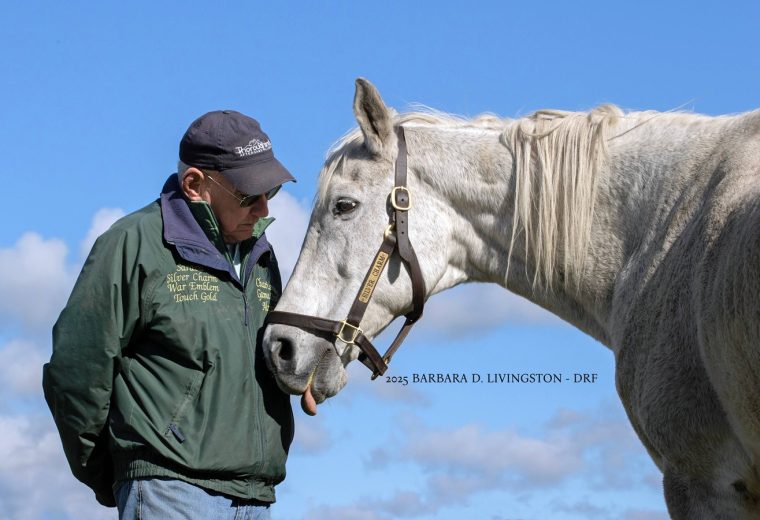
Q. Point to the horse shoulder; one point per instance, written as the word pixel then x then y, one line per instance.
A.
pixel 727 293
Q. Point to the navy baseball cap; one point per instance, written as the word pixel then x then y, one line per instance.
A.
pixel 234 145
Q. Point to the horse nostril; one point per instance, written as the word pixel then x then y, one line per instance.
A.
pixel 286 350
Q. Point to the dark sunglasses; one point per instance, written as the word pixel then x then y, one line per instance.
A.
pixel 247 200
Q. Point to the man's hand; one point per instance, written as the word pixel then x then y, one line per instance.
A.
pixel 106 499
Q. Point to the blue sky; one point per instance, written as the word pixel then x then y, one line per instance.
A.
pixel 96 96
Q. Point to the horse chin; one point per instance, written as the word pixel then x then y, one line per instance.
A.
pixel 326 378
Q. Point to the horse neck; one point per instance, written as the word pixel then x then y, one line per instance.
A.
pixel 472 172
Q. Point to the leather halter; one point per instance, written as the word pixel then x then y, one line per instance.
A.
pixel 396 237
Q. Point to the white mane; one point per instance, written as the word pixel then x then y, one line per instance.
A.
pixel 557 156
pixel 556 159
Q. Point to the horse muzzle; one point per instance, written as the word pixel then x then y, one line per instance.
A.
pixel 306 366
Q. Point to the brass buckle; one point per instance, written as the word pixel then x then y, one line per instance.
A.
pixel 393 198
pixel 355 333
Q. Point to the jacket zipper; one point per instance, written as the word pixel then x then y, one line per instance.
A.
pixel 177 433
pixel 251 347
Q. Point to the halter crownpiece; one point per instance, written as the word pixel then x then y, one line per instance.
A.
pixel 395 237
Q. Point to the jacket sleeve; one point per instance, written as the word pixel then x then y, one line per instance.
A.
pixel 94 327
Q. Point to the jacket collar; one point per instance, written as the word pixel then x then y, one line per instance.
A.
pixel 184 232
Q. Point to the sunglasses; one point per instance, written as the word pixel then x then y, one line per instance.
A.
pixel 247 201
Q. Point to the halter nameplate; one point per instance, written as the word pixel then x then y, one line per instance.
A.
pixel 374 274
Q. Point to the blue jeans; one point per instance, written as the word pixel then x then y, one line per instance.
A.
pixel 165 499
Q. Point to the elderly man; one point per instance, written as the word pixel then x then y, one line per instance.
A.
pixel 156 383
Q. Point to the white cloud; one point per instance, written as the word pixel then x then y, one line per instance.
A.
pixel 462 462
pixel 473 308
pixel 405 504
pixel 35 481
pixel 21 368
pixel 35 277
pixel 287 232
pixel 653 480
pixel 609 443
pixel 99 224
pixel 362 386
pixel 585 509
pixel 311 436
pixel 471 449
pixel 357 512
pixel 34 280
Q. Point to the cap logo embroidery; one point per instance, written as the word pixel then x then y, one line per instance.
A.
pixel 254 146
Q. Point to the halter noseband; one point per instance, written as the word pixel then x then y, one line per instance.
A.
pixel 396 237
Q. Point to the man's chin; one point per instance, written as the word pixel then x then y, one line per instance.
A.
pixel 238 236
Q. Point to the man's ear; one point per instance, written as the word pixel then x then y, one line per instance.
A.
pixel 192 183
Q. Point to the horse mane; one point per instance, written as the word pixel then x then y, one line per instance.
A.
pixel 556 158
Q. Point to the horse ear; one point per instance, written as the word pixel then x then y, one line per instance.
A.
pixel 375 120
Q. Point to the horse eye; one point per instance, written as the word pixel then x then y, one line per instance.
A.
pixel 344 206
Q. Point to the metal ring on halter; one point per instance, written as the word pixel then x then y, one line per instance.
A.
pixel 355 333
pixel 388 230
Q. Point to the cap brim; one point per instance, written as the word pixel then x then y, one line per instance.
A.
pixel 260 177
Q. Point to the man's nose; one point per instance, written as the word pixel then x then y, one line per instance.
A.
pixel 260 207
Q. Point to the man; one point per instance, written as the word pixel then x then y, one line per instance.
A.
pixel 157 385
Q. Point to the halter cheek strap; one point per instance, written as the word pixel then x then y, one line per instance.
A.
pixel 395 238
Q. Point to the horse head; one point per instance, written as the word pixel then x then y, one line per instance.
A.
pixel 352 216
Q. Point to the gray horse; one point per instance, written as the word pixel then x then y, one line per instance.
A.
pixel 641 229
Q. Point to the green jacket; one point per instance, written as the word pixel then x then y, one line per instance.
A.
pixel 157 369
